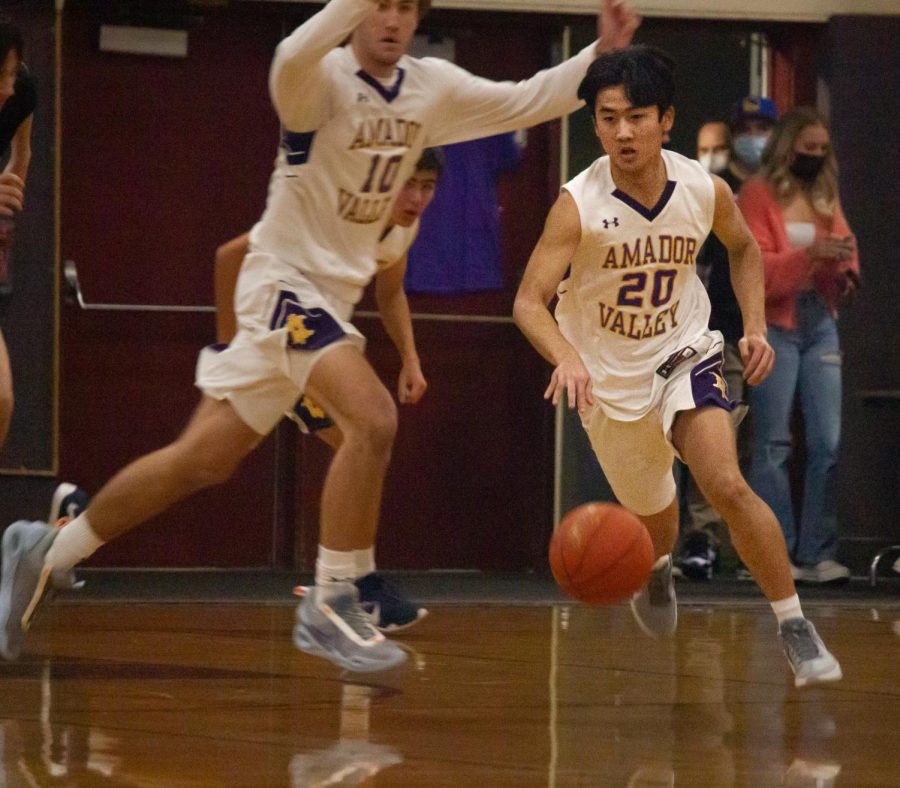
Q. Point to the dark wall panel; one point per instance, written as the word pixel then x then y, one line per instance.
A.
pixel 863 71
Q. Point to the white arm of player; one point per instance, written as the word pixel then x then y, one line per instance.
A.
pixel 296 81
pixel 476 107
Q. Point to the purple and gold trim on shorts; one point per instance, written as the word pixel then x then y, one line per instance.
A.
pixel 708 385
pixel 307 329
pixel 309 417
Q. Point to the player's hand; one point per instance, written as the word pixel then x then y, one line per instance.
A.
pixel 12 193
pixel 758 358
pixel 411 384
pixel 571 377
pixel 616 26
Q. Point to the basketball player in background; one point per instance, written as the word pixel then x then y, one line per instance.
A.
pixel 391 611
pixel 18 97
pixel 631 346
pixel 355 120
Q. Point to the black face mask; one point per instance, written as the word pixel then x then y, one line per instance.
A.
pixel 806 168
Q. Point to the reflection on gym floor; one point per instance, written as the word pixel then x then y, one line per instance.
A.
pixel 211 695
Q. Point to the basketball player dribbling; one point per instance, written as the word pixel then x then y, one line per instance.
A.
pixel 631 346
pixel 356 119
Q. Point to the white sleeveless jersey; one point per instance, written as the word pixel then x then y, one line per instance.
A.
pixel 395 244
pixel 350 141
pixel 633 297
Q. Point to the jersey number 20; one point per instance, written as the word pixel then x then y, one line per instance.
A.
pixel 634 286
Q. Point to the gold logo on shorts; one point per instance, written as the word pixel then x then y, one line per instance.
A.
pixel 314 410
pixel 720 384
pixel 296 326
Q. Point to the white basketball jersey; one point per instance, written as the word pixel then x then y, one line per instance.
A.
pixel 395 244
pixel 633 297
pixel 350 141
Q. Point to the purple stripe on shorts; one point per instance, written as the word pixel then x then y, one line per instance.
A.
pixel 708 385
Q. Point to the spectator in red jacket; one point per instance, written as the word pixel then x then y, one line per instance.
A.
pixel 809 254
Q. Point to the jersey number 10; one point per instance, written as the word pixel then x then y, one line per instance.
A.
pixel 384 176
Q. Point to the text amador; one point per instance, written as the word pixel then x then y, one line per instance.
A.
pixel 673 249
pixel 385 133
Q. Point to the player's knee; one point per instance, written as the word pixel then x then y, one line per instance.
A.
pixel 376 429
pixel 730 491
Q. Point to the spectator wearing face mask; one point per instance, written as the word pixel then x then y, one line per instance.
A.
pixel 706 535
pixel 752 122
pixel 715 149
pixel 809 254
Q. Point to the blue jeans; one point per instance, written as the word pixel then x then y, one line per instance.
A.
pixel 807 364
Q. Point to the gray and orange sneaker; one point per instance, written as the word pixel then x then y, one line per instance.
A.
pixel 342 632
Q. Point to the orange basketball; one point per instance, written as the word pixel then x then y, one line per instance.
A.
pixel 601 553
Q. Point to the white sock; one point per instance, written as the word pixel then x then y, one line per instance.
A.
pixel 333 566
pixel 787 608
pixel 75 541
pixel 365 561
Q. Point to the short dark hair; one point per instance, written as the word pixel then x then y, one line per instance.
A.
pixel 432 159
pixel 645 72
pixel 10 40
pixel 424 8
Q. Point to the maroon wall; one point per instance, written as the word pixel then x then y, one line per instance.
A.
pixel 163 159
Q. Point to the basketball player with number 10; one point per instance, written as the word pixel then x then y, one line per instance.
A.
pixel 356 117
pixel 631 345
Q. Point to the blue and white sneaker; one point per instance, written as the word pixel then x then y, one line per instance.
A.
pixel 25 582
pixel 390 611
pixel 811 662
pixel 343 633
pixel 68 502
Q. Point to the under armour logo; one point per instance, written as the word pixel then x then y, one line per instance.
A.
pixel 361 97
pixel 607 222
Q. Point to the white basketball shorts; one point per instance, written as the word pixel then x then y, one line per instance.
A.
pixel 286 323
pixel 637 456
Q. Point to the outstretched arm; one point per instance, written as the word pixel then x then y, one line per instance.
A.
pixel 477 107
pixel 394 310
pixel 545 270
pixel 295 79
pixel 747 280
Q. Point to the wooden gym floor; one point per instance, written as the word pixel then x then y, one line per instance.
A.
pixel 117 691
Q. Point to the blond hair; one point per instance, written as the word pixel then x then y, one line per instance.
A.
pixel 779 155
